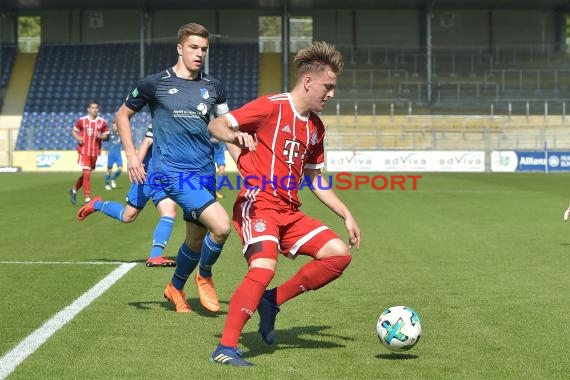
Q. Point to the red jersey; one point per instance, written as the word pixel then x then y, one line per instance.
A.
pixel 287 143
pixel 89 129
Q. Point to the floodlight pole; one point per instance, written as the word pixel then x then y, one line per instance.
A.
pixel 141 42
pixel 285 45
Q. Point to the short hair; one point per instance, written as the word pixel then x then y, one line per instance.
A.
pixel 319 56
pixel 93 101
pixel 192 29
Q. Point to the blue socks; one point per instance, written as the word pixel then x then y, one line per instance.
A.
pixel 161 236
pixel 209 255
pixel 109 208
pixel 117 173
pixel 186 262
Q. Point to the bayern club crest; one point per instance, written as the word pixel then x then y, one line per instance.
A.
pixel 204 93
pixel 259 226
pixel 314 138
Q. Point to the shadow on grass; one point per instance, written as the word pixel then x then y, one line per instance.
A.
pixel 304 337
pixel 193 302
pixel 396 356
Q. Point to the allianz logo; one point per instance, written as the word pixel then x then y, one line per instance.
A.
pixel 532 161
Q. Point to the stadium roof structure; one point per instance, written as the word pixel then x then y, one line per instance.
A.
pixel 292 5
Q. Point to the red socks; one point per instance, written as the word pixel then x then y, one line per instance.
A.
pixel 78 183
pixel 87 183
pixel 244 302
pixel 312 276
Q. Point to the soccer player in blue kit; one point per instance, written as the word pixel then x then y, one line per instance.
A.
pixel 137 198
pixel 181 99
pixel 113 157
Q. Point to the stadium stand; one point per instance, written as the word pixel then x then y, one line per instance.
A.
pixel 7 59
pixel 67 76
pixel 463 80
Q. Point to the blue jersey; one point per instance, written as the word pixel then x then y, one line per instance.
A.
pixel 180 110
pixel 114 142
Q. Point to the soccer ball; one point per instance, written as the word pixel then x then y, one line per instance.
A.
pixel 399 328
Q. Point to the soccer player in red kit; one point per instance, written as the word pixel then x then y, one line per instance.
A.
pixel 286 151
pixel 89 131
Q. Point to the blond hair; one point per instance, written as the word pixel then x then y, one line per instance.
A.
pixel 319 56
pixel 192 29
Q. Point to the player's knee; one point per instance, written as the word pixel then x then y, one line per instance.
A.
pixel 130 214
pixel 262 276
pixel 334 247
pixel 335 265
pixel 220 232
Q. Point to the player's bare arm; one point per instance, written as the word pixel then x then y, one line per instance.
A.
pixel 320 188
pixel 145 146
pixel 234 150
pixel 76 136
pixel 135 167
pixel 221 129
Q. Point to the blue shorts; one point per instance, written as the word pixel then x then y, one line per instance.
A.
pixel 191 191
pixel 139 194
pixel 114 157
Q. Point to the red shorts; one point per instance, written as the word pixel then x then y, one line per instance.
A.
pixel 294 232
pixel 87 162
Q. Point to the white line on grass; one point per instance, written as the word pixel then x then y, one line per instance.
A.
pixel 32 342
pixel 65 262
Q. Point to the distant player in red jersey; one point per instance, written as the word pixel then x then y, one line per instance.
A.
pixel 89 131
pixel 289 153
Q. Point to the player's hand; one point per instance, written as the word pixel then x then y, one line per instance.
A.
pixel 136 169
pixel 244 140
pixel 353 232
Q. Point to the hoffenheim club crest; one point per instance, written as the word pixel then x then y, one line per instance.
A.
pixel 204 93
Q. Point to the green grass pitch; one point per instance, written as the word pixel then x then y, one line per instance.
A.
pixel 483 258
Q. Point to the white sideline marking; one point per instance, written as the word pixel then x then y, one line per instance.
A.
pixel 66 262
pixel 32 342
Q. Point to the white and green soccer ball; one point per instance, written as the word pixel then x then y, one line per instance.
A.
pixel 399 328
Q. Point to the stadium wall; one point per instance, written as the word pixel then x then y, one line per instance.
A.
pixel 388 27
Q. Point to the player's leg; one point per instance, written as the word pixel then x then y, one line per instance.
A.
pixel 262 260
pixel 186 261
pixel 328 264
pixel 136 200
pixel 118 172
pixel 73 191
pixel 119 163
pixel 215 218
pixel 108 175
pixel 78 183
pixel 259 231
pixel 90 162
pixel 87 184
pixel 305 236
pixel 166 207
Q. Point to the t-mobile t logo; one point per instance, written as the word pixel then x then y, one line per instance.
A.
pixel 291 150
